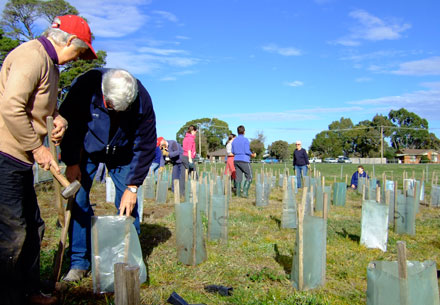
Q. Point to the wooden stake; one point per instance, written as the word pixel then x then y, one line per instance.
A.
pixel 211 192
pixel 57 186
pixel 402 270
pixel 378 194
pixel 395 206
pixel 194 192
pixel 127 241
pixel 133 285
pixel 324 206
pixel 176 191
pixel 120 284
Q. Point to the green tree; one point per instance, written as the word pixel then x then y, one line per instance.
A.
pixel 6 46
pixel 214 130
pixel 327 144
pixel 412 132
pixel 75 68
pixel 257 145
pixel 279 149
pixel 54 8
pixel 18 19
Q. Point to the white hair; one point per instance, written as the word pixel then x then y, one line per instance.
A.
pixel 120 88
pixel 60 37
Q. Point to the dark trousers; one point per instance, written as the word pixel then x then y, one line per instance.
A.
pixel 179 174
pixel 21 232
pixel 241 168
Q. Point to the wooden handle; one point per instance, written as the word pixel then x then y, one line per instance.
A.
pixel 61 179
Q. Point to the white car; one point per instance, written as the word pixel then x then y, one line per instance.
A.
pixel 315 160
pixel 330 160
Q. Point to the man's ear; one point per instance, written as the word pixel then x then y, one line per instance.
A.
pixel 69 41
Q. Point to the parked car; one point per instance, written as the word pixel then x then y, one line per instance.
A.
pixel 270 160
pixel 344 160
pixel 330 160
pixel 315 160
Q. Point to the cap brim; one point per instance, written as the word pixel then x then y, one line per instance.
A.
pixel 89 54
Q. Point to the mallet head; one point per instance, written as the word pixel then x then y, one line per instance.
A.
pixel 71 189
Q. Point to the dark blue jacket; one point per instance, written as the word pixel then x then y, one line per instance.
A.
pixel 300 157
pixel 355 178
pixel 175 152
pixel 134 141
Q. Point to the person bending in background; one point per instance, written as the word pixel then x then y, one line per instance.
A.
pixel 230 168
pixel 28 94
pixel 158 161
pixel 173 153
pixel 300 163
pixel 189 149
pixel 357 174
pixel 242 155
pixel 111 120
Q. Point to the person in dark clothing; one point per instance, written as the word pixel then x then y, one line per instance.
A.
pixel 300 163
pixel 112 121
pixel 173 152
pixel 355 178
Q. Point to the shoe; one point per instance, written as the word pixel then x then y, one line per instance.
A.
pixel 74 275
pixel 42 299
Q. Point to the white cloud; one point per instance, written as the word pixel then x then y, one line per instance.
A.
pixel 428 66
pixel 295 83
pixel 167 15
pixel 286 51
pixel 292 115
pixel 372 28
pixel 112 18
pixel 363 79
pixel 426 103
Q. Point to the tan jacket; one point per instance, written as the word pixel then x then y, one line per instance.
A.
pixel 28 94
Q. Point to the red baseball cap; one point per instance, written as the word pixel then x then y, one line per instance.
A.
pixel 159 140
pixel 75 25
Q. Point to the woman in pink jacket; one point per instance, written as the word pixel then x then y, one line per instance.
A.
pixel 189 149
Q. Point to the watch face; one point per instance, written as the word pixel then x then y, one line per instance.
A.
pixel 133 189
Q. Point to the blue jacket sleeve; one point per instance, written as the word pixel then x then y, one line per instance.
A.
pixel 354 179
pixel 144 142
pixel 247 148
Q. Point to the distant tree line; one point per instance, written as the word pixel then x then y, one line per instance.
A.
pixel 400 129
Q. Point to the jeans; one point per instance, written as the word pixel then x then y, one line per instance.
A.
pixel 80 224
pixel 300 171
pixel 154 167
pixel 21 232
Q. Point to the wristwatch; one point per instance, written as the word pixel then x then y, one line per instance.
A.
pixel 132 189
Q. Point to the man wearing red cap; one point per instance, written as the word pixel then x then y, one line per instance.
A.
pixel 28 94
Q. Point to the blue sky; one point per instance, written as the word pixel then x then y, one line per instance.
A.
pixel 282 67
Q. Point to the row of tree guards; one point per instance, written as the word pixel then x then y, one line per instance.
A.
pixel 209 196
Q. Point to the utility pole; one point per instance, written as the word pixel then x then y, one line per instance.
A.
pixel 381 144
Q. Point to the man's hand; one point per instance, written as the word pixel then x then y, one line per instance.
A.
pixel 73 172
pixel 165 152
pixel 128 201
pixel 60 127
pixel 253 155
pixel 43 157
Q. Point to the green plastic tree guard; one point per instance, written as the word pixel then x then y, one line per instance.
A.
pixel 190 250
pixel 314 255
pixel 339 193
pixel 374 228
pixel 384 286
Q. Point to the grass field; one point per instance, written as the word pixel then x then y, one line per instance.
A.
pixel 257 260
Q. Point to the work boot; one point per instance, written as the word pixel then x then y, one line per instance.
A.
pixel 42 299
pixel 246 186
pixel 74 275
pixel 237 189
